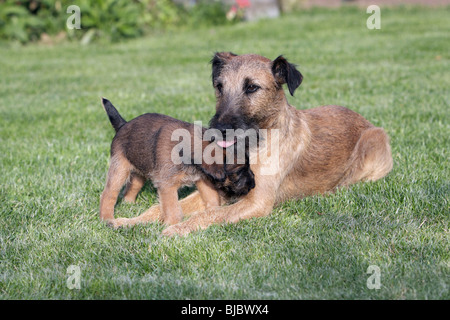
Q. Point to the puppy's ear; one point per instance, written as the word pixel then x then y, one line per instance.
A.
pixel 218 62
pixel 214 171
pixel 285 72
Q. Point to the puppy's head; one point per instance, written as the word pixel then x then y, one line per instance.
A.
pixel 215 172
pixel 238 182
pixel 232 178
pixel 239 178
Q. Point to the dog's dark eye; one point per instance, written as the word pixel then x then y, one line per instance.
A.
pixel 219 87
pixel 252 88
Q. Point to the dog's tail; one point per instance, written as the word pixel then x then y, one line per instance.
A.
pixel 116 119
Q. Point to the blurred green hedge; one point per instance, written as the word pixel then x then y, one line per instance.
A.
pixel 27 21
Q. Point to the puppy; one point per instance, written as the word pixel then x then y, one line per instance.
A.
pixel 142 149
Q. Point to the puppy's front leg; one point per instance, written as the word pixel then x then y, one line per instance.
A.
pixel 170 208
pixel 208 194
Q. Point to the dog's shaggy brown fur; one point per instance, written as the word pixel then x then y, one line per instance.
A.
pixel 321 149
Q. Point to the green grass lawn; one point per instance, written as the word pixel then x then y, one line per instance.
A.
pixel 54 154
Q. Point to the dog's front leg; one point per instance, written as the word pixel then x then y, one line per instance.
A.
pixel 258 203
pixel 168 211
pixel 244 209
pixel 190 204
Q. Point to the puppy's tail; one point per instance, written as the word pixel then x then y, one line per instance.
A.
pixel 116 119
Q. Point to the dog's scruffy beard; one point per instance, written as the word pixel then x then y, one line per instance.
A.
pixel 241 126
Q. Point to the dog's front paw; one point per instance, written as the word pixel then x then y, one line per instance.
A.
pixel 118 223
pixel 179 229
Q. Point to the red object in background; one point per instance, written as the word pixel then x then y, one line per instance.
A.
pixel 237 8
pixel 243 3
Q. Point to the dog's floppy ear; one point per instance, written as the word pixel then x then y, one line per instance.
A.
pixel 218 61
pixel 285 72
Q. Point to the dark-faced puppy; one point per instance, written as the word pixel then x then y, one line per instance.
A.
pixel 239 178
pixel 144 149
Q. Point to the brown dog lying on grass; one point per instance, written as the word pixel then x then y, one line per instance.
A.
pixel 320 149
pixel 142 149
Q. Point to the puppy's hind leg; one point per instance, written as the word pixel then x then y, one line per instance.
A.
pixel 133 187
pixel 118 173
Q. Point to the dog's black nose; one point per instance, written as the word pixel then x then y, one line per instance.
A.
pixel 223 127
pixel 223 130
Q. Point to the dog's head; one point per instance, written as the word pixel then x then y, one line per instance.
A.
pixel 249 89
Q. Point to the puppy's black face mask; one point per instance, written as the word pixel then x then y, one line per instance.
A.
pixel 239 178
pixel 238 182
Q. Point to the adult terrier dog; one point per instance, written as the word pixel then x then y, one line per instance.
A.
pixel 142 149
pixel 321 149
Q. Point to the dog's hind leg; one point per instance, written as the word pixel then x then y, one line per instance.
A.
pixel 133 187
pixel 371 159
pixel 118 174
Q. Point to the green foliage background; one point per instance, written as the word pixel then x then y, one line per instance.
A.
pixel 25 21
